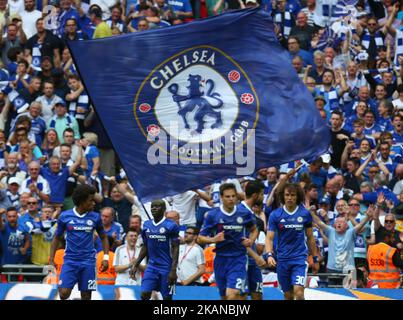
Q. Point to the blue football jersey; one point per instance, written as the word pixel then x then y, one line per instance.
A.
pixel 234 225
pixel 158 238
pixel 79 234
pixel 290 228
pixel 244 206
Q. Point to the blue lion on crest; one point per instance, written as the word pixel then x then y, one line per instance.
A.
pixel 195 99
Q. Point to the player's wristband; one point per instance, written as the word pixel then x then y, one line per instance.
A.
pixel 315 259
pixel 106 257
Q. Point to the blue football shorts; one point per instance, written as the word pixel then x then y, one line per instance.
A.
pixel 255 279
pixel 82 273
pixel 231 272
pixel 157 280
pixel 291 273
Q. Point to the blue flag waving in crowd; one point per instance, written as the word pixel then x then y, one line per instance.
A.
pixel 194 103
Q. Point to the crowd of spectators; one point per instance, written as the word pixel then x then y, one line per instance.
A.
pixel 348 54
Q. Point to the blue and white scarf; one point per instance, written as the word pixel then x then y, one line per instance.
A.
pixel 367 38
pixel 119 25
pixel 52 123
pixel 83 102
pixel 36 57
pixel 4 79
pixel 285 23
pixel 332 97
pixel 39 185
pixel 14 198
pixel 328 11
pixel 16 99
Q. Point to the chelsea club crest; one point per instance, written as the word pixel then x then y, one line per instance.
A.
pixel 196 99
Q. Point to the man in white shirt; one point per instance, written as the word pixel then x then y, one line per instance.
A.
pixel 29 17
pixel 48 100
pixel 191 262
pixel 15 6
pixel 125 257
pixel 35 184
pixel 185 204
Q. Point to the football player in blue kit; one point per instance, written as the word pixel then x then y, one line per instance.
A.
pixel 293 224
pixel 254 193
pixel 227 227
pixel 78 226
pixel 161 245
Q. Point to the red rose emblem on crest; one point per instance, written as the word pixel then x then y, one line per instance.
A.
pixel 144 107
pixel 247 98
pixel 153 129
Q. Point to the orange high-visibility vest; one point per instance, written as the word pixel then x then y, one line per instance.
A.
pixel 381 268
pixel 58 261
pixel 108 276
pixel 209 255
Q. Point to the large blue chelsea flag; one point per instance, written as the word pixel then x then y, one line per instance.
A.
pixel 190 104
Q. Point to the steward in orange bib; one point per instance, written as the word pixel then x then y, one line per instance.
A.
pixel 107 277
pixel 384 262
pixel 209 255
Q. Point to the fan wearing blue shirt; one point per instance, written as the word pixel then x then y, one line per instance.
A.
pixel 182 8
pixel 384 156
pixel 113 230
pixel 293 225
pixel 161 245
pixel 385 109
pixel 380 186
pixel 89 142
pixel 78 226
pixel 317 174
pixel 397 132
pixel 14 240
pixel 57 176
pixel 371 128
pixel 227 227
